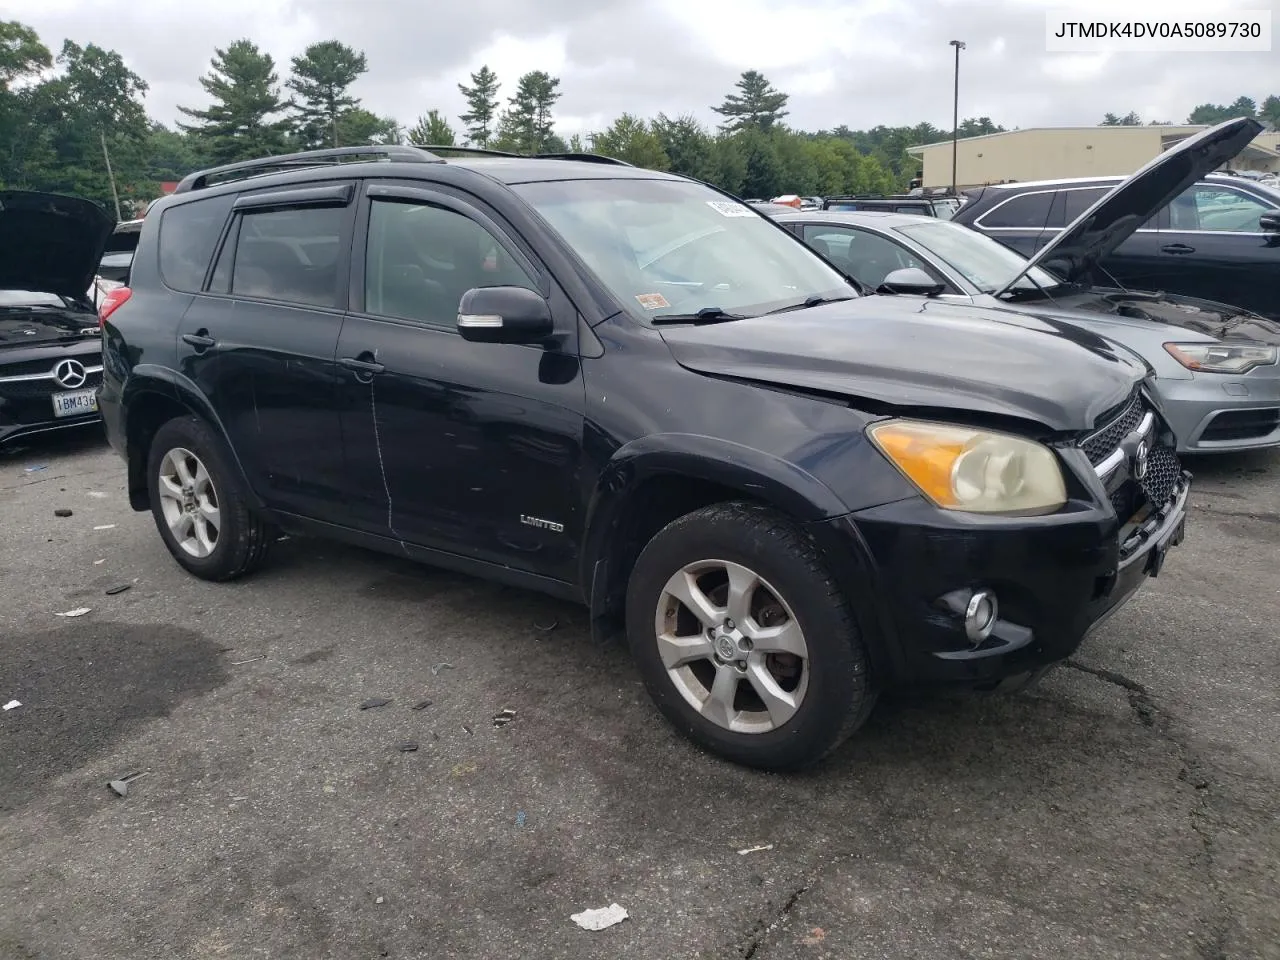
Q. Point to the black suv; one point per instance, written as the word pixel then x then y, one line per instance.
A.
pixel 1219 239
pixel 919 204
pixel 628 389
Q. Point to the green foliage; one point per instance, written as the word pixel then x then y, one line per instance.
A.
pixel 244 120
pixel 526 126
pixel 1270 111
pixel 433 128
pixel 357 127
pixel 482 106
pixel 22 55
pixel 1130 119
pixel 1211 113
pixel 756 106
pixel 632 140
pixel 321 79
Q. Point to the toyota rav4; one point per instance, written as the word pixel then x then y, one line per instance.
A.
pixel 625 388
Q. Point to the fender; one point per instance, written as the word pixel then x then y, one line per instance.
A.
pixel 153 378
pixel 759 475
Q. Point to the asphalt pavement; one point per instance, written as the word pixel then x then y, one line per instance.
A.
pixel 1128 807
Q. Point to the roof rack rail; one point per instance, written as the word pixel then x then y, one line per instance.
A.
pixel 478 151
pixel 583 157
pixel 308 158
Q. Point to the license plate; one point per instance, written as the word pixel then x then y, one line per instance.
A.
pixel 75 403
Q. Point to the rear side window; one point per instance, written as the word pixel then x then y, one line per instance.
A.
pixel 289 255
pixel 1078 201
pixel 1028 211
pixel 188 234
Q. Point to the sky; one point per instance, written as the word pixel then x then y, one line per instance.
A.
pixel 858 63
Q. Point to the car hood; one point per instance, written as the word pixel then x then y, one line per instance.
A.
pixel 1113 219
pixel 50 243
pixel 29 326
pixel 923 354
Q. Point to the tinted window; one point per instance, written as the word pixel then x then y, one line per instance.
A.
pixel 188 234
pixel 1078 201
pixel 1211 207
pixel 1026 211
pixel 867 256
pixel 289 255
pixel 421 259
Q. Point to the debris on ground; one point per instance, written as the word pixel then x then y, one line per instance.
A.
pixel 96 562
pixel 119 588
pixel 121 786
pixel 815 937
pixel 380 900
pixel 12 705
pixel 409 746
pixel 763 846
pixel 468 728
pixel 238 663
pixel 105 526
pixel 77 612
pixel 97 494
pixel 601 918
pixel 503 717
pixel 62 512
pixel 421 705
pixel 374 702
pixel 435 671
pixel 548 628
pixel 520 818
pixel 37 468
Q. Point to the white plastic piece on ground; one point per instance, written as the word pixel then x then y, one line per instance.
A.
pixel 77 612
pixel 766 846
pixel 106 526
pixel 601 918
pixel 12 705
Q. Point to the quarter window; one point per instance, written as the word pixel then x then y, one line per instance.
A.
pixel 867 256
pixel 421 259
pixel 1078 201
pixel 1210 207
pixel 188 234
pixel 289 255
pixel 1029 211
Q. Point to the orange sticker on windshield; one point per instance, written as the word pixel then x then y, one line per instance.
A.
pixel 652 301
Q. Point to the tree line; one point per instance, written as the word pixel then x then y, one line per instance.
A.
pixel 1209 114
pixel 75 123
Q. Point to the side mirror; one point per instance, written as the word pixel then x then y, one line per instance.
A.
pixel 1269 222
pixel 911 280
pixel 504 315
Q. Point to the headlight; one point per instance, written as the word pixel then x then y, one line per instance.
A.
pixel 1222 357
pixel 962 468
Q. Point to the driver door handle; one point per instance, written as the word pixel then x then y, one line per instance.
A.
pixel 362 366
pixel 1177 248
pixel 200 339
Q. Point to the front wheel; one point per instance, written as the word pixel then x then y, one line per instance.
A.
pixel 198 503
pixel 743 639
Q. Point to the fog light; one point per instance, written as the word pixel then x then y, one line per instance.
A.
pixel 980 616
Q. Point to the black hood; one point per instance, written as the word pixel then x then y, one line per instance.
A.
pixel 924 354
pixel 1094 234
pixel 50 243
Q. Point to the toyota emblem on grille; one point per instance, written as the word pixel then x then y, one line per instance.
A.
pixel 70 373
pixel 1140 457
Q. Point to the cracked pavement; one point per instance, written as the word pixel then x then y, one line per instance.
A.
pixel 1128 807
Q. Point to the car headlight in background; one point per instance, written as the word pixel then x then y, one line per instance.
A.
pixel 1222 357
pixel 964 468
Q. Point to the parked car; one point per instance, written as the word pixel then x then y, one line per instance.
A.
pixel 1217 375
pixel 118 255
pixel 50 349
pixel 1218 239
pixel 628 389
pixel 918 204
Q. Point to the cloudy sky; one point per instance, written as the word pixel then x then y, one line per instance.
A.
pixel 859 63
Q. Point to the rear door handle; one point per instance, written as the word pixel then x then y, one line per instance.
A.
pixel 200 340
pixel 361 366
pixel 1177 248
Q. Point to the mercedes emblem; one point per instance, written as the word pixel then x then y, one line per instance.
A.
pixel 70 373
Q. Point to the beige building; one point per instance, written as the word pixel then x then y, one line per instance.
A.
pixel 1051 153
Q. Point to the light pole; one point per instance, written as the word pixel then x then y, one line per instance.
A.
pixel 955 116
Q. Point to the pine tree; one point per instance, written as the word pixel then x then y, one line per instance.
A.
pixel 321 79
pixel 527 126
pixel 433 129
pixel 482 105
pixel 244 119
pixel 758 106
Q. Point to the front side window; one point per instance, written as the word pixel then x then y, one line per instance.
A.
pixel 985 263
pixel 188 234
pixel 670 248
pixel 1210 207
pixel 289 255
pixel 867 256
pixel 421 259
pixel 1028 211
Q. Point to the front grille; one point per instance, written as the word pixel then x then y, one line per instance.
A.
pixel 26 389
pixel 1242 424
pixel 1163 472
pixel 1100 445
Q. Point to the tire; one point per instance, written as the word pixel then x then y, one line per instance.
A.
pixel 233 546
pixel 818 700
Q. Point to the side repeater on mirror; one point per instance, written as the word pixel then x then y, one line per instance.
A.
pixel 504 315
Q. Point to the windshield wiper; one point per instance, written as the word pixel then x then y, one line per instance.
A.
pixel 705 315
pixel 811 302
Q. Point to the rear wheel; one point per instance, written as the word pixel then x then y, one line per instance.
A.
pixel 199 503
pixel 743 639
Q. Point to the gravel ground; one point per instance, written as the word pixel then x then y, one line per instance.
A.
pixel 1128 807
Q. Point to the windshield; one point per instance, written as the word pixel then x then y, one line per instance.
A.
pixel 30 298
pixel 669 248
pixel 987 264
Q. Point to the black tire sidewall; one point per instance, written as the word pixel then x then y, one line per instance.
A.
pixel 838 687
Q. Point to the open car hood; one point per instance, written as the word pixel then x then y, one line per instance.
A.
pixel 50 243
pixel 1094 234
pixel 923 355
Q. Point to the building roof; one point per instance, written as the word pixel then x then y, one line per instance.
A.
pixel 1185 130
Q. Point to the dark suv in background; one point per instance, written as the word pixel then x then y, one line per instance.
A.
pixel 919 204
pixel 1218 240
pixel 627 389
